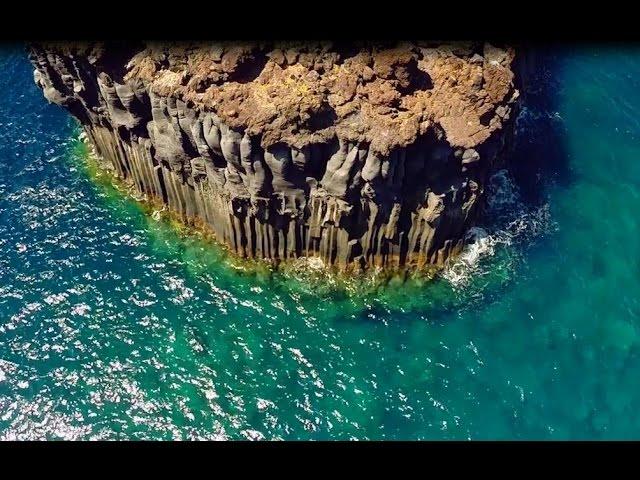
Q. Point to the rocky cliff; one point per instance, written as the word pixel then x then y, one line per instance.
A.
pixel 363 154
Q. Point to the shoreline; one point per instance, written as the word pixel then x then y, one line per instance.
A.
pixel 312 269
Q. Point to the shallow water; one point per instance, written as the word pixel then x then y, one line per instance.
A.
pixel 115 326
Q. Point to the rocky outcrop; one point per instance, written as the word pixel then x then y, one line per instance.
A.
pixel 362 154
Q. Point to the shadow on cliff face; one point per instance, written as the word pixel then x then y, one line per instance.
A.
pixel 539 156
pixel 539 159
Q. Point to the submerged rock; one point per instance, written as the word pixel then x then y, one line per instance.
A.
pixel 361 155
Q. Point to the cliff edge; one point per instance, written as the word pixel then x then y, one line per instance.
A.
pixel 363 154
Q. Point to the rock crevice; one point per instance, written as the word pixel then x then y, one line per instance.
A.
pixel 362 155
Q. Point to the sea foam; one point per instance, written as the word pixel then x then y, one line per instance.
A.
pixel 512 222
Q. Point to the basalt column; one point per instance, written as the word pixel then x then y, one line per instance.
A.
pixel 363 155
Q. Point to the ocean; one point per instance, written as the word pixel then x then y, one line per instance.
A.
pixel 115 325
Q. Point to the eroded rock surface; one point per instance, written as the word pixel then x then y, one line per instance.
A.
pixel 361 154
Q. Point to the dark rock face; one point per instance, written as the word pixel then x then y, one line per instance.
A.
pixel 362 155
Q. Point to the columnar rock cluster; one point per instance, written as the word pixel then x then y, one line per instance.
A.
pixel 363 154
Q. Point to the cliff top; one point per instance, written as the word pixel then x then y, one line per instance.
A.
pixel 385 95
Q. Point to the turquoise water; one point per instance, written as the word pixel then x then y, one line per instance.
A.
pixel 114 326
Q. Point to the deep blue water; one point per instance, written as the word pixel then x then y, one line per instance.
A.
pixel 113 325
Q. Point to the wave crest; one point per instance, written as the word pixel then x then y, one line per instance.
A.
pixel 514 224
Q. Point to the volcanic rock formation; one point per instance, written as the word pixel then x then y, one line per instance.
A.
pixel 361 154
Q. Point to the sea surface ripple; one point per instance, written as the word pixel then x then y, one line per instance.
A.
pixel 115 326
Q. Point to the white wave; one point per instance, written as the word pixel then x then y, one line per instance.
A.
pixel 156 215
pixel 530 119
pixel 479 244
pixel 502 192
pixel 515 224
